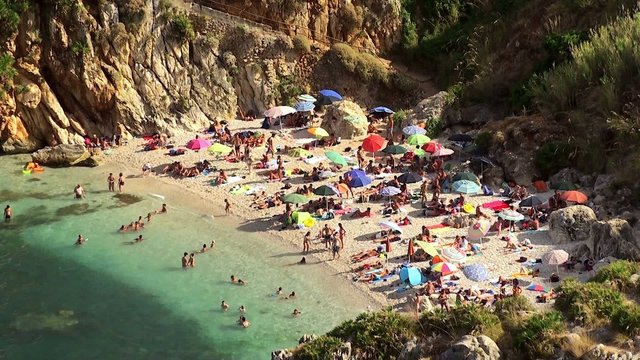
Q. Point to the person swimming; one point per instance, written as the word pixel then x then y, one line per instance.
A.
pixel 138 239
pixel 78 191
pixel 123 228
pixel 244 322
pixel 81 240
pixel 279 291
pixel 224 306
pixel 292 295
pixel 192 260
pixel 213 244
pixel 204 248
pixel 242 309
pixel 296 313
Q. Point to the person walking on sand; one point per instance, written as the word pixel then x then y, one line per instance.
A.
pixel 270 146
pixel 121 183
pixel 111 182
pixel 185 262
pixel 335 248
pixel 8 213
pixel 227 206
pixel 306 242
pixel 247 158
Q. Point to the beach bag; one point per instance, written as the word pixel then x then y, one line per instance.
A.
pixel 486 191
pixel 265 123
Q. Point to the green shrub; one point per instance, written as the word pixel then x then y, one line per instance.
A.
pixel 319 349
pixel 559 46
pixel 79 47
pixel 399 116
pixel 552 157
pixel 366 66
pixel 511 305
pixel 287 89
pixel 434 127
pixel 588 303
pixel 182 26
pixel 535 337
pixel 410 38
pixel 302 44
pixel 627 319
pixel 617 273
pixel 483 141
pixel 462 320
pixel 7 73
pixel 10 11
pixel 380 334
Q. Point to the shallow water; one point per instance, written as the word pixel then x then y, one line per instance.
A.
pixel 134 301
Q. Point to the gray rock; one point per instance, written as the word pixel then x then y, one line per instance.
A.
pixel 283 354
pixel 586 180
pixel 566 174
pixel 603 184
pixel 414 350
pixel 427 110
pixel 571 224
pixel 307 338
pixel 473 348
pixel 613 238
pixel 599 199
pixel 64 155
pixel 602 352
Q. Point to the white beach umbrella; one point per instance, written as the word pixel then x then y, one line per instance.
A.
pixel 278 111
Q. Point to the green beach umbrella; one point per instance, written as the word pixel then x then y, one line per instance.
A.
pixel 563 185
pixel 335 158
pixel 418 139
pixel 218 148
pixel 394 150
pixel 420 153
pixel 465 175
pixel 325 190
pixel 294 198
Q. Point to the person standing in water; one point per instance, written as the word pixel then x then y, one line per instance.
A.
pixel 185 262
pixel 121 183
pixel 78 192
pixel 224 305
pixel 192 260
pixel 8 213
pixel 111 182
pixel 81 240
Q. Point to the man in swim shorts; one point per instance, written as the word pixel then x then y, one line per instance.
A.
pixel 111 182
pixel 185 261
pixel 8 213
pixel 78 192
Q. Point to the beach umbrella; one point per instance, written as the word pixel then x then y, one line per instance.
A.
pixel 326 174
pixel 427 247
pixel 478 230
pixel 335 158
pixel 390 225
pixel 373 143
pixel 331 94
pixel 318 132
pixel 413 130
pixel 511 215
pixel 409 178
pixel 394 150
pixel 442 152
pixel 574 196
pixel 389 191
pixel 298 152
pixel 410 275
pixel 465 187
pixel 418 139
pixel 452 255
pixel 343 188
pixel 302 218
pixel 360 181
pixel 538 287
pixel 476 272
pixel 431 146
pixel 436 259
pixel 307 98
pixel 197 144
pixel 444 268
pixel 381 110
pixel 279 111
pixel 563 185
pixel 354 173
pixel 218 148
pixel 419 153
pixel 531 201
pixel 294 198
pixel 325 190
pixel 461 138
pixel 555 257
pixel 465 175
pixel 304 106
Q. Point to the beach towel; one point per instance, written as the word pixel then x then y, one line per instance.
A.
pixel 437 226
pixel 254 190
pixel 230 180
pixel 495 205
pixel 240 190
pixel 314 160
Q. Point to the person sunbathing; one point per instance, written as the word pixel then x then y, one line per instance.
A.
pixel 222 178
pixel 403 222
pixel 363 255
pixel 360 214
pixel 363 267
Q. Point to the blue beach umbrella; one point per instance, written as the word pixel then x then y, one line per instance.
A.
pixel 304 106
pixel 465 187
pixel 476 272
pixel 410 275
pixel 413 130
pixel 381 109
pixel 360 181
pixel 332 94
pixel 354 173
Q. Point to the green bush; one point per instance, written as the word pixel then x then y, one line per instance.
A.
pixel 535 336
pixel 462 320
pixel 399 116
pixel 366 66
pixel 7 73
pixel 10 11
pixel 588 303
pixel 410 38
pixel 319 349
pixel 559 46
pixel 79 48
pixel 434 127
pixel 617 273
pixel 627 319
pixel 483 141
pixel 302 44
pixel 380 334
pixel 182 26
pixel 512 305
pixel 552 157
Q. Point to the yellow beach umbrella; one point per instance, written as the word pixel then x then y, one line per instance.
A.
pixel 428 248
pixel 218 148
pixel 318 132
pixel 298 152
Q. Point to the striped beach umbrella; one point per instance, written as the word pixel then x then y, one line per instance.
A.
pixel 389 191
pixel 465 187
pixel 307 98
pixel 511 215
pixel 304 106
pixel 478 230
pixel 538 287
pixel 444 268
pixel 442 152
pixel 452 255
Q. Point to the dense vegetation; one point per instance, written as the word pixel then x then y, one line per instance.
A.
pixel 517 328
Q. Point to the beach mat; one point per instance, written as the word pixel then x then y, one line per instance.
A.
pixel 437 226
pixel 495 205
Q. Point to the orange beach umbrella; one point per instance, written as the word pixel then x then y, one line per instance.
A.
pixel 574 196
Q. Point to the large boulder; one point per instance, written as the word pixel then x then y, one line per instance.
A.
pixel 571 224
pixel 414 350
pixel 567 174
pixel 427 110
pixel 345 119
pixel 283 354
pixel 603 352
pixel 613 238
pixel 65 155
pixel 473 348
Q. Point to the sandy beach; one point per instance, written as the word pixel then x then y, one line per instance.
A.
pixel 359 232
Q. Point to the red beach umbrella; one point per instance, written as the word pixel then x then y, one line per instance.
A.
pixel 373 143
pixel 197 144
pixel 574 196
pixel 431 147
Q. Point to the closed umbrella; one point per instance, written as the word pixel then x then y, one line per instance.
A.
pixel 318 132
pixel 452 255
pixel 279 111
pixel 335 158
pixel 218 148
pixel 325 190
pixel 394 150
pixel 465 187
pixel 427 247
pixel 373 143
pixel 360 181
pixel 465 175
pixel 391 225
pixel 413 130
pixel 563 185
pixel 476 272
pixel 307 98
pixel 431 146
pixel 411 250
pixel 574 196
pixel 442 152
pixel 409 178
pixel 444 268
pixel 294 198
pixel 389 191
pixel 478 230
pixel 555 257
pixel 410 275
pixel 197 144
pixel 511 215
pixel 304 106
pixel 531 201
pixel 418 139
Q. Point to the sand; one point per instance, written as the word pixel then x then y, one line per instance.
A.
pixel 359 231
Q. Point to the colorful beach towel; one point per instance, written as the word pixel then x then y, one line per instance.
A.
pixel 495 205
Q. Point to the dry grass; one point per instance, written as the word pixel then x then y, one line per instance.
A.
pixel 579 346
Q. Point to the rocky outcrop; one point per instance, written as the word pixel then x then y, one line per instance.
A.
pixel 603 352
pixel 414 350
pixel 427 110
pixel 66 155
pixel 473 348
pixel 345 119
pixel 282 354
pixel 613 238
pixel 571 224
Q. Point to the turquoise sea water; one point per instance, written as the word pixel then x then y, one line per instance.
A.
pixel 122 301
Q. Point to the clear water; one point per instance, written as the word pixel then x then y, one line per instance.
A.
pixel 135 301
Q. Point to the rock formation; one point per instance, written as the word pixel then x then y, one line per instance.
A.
pixel 345 119
pixel 571 224
pixel 67 155
pixel 473 348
